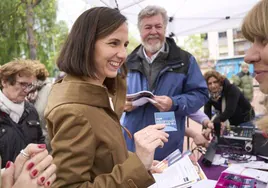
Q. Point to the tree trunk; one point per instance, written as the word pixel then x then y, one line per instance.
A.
pixel 30 31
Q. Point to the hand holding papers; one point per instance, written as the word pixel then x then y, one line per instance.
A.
pixel 178 171
pixel 141 98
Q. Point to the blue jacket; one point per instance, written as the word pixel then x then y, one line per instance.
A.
pixel 181 80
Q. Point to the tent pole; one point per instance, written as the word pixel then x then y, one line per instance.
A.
pixel 131 4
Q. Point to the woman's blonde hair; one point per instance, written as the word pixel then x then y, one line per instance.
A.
pixel 255 24
pixel 41 72
pixel 10 70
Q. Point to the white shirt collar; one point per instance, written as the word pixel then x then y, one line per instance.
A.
pixel 151 59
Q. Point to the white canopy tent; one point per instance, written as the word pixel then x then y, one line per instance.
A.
pixel 188 16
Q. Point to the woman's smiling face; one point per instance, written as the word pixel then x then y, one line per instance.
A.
pixel 258 56
pixel 111 53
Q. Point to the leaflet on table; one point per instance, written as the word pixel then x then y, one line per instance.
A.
pixel 141 98
pixel 167 118
pixel 259 165
pixel 253 173
pixel 235 181
pixel 178 171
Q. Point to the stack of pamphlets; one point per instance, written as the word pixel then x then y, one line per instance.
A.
pixel 141 98
pixel 235 181
pixel 259 175
pixel 178 171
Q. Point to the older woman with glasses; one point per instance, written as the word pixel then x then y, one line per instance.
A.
pixel 19 120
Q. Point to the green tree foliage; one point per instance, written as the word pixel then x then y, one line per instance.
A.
pixel 133 43
pixel 48 35
pixel 194 45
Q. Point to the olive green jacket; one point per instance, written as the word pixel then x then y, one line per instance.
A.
pixel 245 83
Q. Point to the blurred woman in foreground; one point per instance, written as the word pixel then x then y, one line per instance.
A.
pixel 255 29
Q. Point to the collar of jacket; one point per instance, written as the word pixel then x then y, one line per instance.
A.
pixel 27 110
pixel 161 54
pixel 226 83
pixel 241 74
pixel 226 86
pixel 78 90
pixel 174 57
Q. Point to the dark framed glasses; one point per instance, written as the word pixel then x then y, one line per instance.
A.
pixel 25 85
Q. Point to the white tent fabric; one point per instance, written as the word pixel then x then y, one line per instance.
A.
pixel 188 16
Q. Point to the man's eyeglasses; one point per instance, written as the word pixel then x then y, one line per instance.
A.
pixel 26 86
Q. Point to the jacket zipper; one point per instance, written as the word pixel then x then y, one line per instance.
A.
pixel 163 71
pixel 117 121
pixel 150 77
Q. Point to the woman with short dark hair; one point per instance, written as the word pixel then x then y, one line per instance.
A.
pixel 84 108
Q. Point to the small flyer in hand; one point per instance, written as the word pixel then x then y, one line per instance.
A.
pixel 167 118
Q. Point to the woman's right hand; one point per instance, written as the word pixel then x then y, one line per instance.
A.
pixel 147 140
pixel 38 171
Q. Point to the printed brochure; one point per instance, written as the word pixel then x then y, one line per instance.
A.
pixel 141 98
pixel 178 171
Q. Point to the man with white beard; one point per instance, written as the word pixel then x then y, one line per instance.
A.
pixel 170 73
